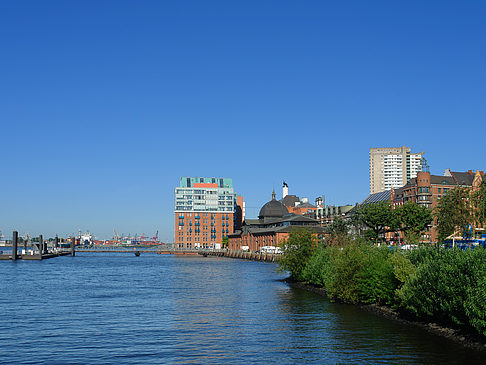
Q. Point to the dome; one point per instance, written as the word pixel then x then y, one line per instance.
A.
pixel 273 209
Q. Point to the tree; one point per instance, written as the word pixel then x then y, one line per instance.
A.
pixel 298 249
pixel 337 231
pixel 453 212
pixel 379 217
pixel 479 204
pixel 225 242
pixel 414 218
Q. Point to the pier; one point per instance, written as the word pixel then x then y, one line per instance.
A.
pixel 29 256
pixel 39 251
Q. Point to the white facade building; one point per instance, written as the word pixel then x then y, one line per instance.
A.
pixel 391 168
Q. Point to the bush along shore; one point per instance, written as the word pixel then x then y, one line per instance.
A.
pixel 428 284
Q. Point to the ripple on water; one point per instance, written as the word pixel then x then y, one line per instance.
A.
pixel 117 308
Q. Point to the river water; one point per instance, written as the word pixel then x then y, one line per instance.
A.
pixel 114 308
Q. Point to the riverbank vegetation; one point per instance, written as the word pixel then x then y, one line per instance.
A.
pixel 429 283
pixel 443 285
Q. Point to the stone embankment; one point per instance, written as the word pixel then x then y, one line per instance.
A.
pixel 462 336
pixel 245 255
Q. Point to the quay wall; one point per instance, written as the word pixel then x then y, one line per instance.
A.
pixel 244 255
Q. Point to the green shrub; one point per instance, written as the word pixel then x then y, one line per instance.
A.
pixel 422 254
pixel 376 279
pixel 475 306
pixel 403 268
pixel 346 264
pixel 445 285
pixel 318 270
pixel 298 249
pixel 475 303
pixel 354 273
pixel 441 285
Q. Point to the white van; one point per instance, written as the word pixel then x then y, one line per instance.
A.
pixel 271 249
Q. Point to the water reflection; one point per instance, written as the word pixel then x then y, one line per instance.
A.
pixel 116 308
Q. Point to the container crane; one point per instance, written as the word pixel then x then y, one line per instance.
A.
pixel 115 235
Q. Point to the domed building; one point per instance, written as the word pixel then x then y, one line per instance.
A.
pixel 272 227
pixel 273 209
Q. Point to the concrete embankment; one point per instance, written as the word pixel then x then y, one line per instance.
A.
pixel 245 255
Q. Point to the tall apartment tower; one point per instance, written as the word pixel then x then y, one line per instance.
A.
pixel 393 167
pixel 206 210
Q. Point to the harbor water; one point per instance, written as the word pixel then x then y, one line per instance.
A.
pixel 115 308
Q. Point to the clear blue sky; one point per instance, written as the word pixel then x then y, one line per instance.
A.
pixel 104 105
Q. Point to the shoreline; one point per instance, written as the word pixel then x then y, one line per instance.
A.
pixel 460 336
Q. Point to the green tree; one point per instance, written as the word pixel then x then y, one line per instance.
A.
pixel 453 212
pixel 337 232
pixel 479 204
pixel 298 249
pixel 414 218
pixel 225 242
pixel 379 217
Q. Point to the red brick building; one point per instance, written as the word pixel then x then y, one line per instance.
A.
pixel 294 204
pixel 272 227
pixel 426 190
pixel 206 211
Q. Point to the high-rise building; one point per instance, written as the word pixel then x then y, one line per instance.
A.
pixel 393 167
pixel 206 211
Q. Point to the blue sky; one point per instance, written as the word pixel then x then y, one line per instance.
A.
pixel 104 105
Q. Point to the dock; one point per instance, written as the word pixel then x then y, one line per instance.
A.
pixel 39 251
pixel 36 256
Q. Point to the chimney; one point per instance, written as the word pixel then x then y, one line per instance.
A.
pixel 285 190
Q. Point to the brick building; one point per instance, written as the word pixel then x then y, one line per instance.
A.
pixel 272 227
pixel 294 204
pixel 206 211
pixel 426 189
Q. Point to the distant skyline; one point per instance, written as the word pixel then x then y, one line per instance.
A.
pixel 105 105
